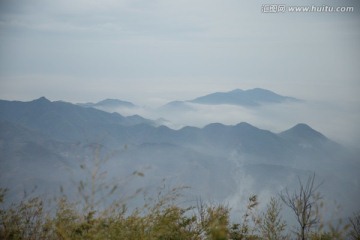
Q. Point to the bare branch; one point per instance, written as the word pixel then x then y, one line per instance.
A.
pixel 304 203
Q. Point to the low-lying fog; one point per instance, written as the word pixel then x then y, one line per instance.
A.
pixel 338 122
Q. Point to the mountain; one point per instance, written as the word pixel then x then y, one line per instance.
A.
pixel 65 121
pixel 252 97
pixel 303 132
pixel 69 123
pixel 109 103
pixel 29 160
pixel 46 144
pixel 177 106
pixel 302 135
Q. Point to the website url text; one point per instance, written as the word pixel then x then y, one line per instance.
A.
pixel 282 8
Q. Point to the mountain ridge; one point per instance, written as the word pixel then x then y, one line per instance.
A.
pixel 251 97
pixel 20 112
pixel 41 137
pixel 109 103
pixel 62 119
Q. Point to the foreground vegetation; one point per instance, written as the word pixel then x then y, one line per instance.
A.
pixel 164 219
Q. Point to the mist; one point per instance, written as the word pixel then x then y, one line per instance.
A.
pixel 337 121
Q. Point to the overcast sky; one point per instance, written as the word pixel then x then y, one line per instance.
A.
pixel 151 51
pixel 154 51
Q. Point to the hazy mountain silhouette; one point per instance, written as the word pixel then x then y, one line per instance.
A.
pixel 303 132
pixel 61 121
pixel 109 103
pixel 217 161
pixel 252 97
pixel 177 106
pixel 64 121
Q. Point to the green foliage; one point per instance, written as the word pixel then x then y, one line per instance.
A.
pixel 26 220
pixel 216 222
pixel 272 225
pixel 249 225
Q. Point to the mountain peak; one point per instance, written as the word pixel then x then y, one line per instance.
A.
pixel 259 90
pixel 245 125
pixel 237 90
pixel 303 131
pixel 177 105
pixel 110 101
pixel 108 104
pixel 302 127
pixel 213 126
pixel 251 97
pixel 42 100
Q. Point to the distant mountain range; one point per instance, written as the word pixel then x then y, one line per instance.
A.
pixel 109 103
pixel 40 139
pixel 249 98
pixel 64 121
pixel 252 97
